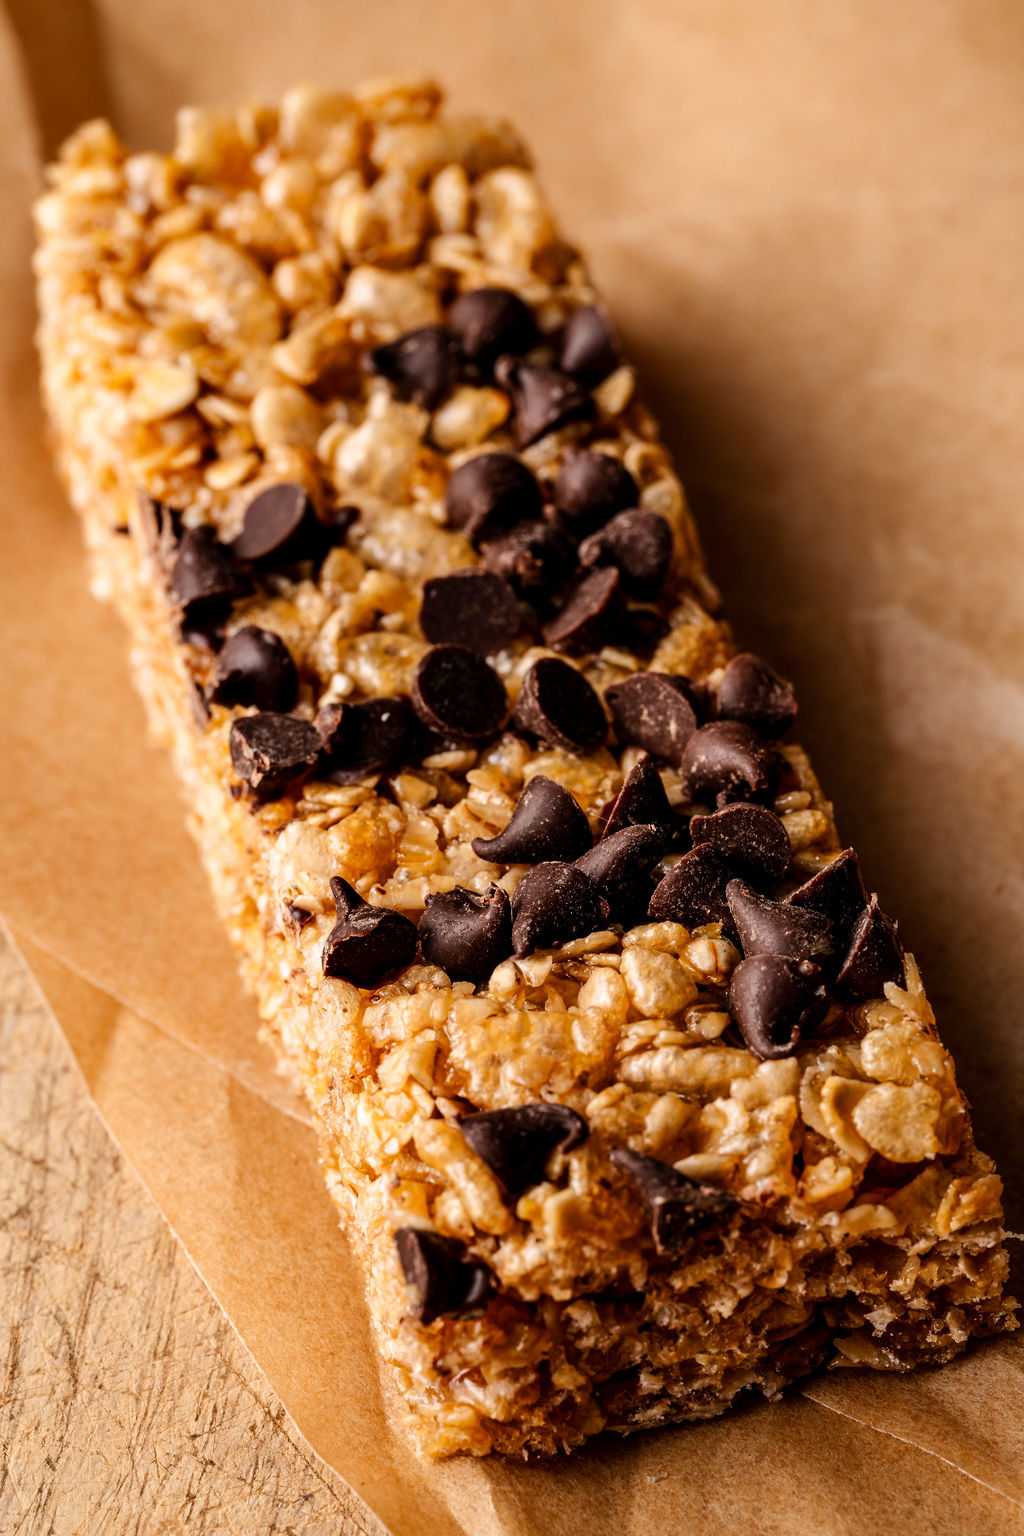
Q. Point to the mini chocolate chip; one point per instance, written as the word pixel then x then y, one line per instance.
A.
pixel 775 1000
pixel 296 917
pixel 362 739
pixel 535 557
pixel 655 711
pixel 422 365
pixel 592 616
pixel 620 866
pixel 281 528
pixel 693 891
pixel 589 349
pixel 490 494
pixel 639 544
pixel 161 529
pixel 547 823
pixel 873 956
pixel 366 942
pixel 727 761
pixel 491 321
pixel 204 578
pixel 751 692
pixel 542 398
pixel 255 668
pixel 642 801
pixel 456 693
pixel 465 934
pixel 554 903
pixel 837 892
pixel 558 706
pixel 750 838
pixel 677 1207
pixel 471 607
pixel 270 752
pixel 590 488
pixel 767 927
pixel 516 1143
pixel 443 1279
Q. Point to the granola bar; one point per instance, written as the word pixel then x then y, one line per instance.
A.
pixel 625 1089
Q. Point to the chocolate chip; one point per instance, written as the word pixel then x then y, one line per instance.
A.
pixel 491 321
pixel 837 892
pixel 639 544
pixel 535 557
pixel 554 903
pixel 296 917
pixel 204 579
pixel 490 494
pixel 873 956
pixel 644 630
pixel 161 529
pixel 255 668
pixel 775 1001
pixel 270 752
pixel 547 823
pixel 366 942
pixel 591 488
pixel 280 528
pixel 517 1143
pixel 422 365
pixel 750 838
pixel 456 693
pixel 465 934
pixel 470 607
pixel 678 1208
pixel 542 398
pixel 751 692
pixel 655 711
pixel 589 349
pixel 592 616
pixel 727 761
pixel 558 706
pixel 767 927
pixel 362 739
pixel 693 891
pixel 440 1275
pixel 642 801
pixel 620 866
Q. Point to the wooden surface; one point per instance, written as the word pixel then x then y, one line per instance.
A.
pixel 127 1402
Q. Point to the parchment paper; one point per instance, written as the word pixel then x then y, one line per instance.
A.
pixel 808 221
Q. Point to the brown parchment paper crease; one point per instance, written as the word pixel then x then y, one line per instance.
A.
pixel 808 222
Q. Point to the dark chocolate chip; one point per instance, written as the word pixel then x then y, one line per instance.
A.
pixel 517 1143
pixel 644 630
pixel 693 891
pixel 554 903
pixel 255 669
pixel 642 801
pixel 443 1280
pixel 490 494
pixel 751 692
pixel 161 529
pixel 542 398
pixel 456 693
pixel 366 942
pixel 678 1208
pixel 558 706
pixel 547 823
pixel 471 607
pixel 489 322
pixel 639 544
pixel 620 866
pixel 775 1001
pixel 280 527
pixel 837 892
pixel 750 838
pixel 270 752
pixel 204 579
pixel 767 927
pixel 296 917
pixel 535 557
pixel 727 761
pixel 592 616
pixel 654 711
pixel 465 934
pixel 589 349
pixel 873 956
pixel 421 365
pixel 590 488
pixel 362 739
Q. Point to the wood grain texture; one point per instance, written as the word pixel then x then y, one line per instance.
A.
pixel 128 1406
